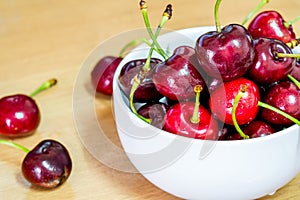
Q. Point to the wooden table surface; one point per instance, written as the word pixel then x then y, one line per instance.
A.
pixel 44 39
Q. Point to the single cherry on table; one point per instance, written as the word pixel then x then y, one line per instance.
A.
pixel 19 113
pixel 48 165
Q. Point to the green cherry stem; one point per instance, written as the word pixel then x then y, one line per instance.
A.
pixel 15 145
pixel 216 14
pixel 195 119
pixel 134 43
pixel 46 85
pixel 288 55
pixel 255 10
pixel 146 68
pixel 237 98
pixel 267 106
pixel 289 23
pixel 295 81
pixel 166 16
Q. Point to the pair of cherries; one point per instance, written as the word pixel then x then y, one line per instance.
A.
pixel 48 164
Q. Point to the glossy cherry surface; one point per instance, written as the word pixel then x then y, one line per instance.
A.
pixel 178 121
pixel 284 96
pixel 267 67
pixel 228 53
pixel 103 73
pixel 47 165
pixel 178 75
pixel 247 109
pixel 146 91
pixel 270 24
pixel 19 115
pixel 296 70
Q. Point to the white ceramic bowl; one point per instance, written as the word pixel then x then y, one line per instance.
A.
pixel 201 169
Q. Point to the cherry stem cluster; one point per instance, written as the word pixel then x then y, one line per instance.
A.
pixel 15 145
pixel 237 98
pixel 166 16
pixel 46 85
pixel 254 11
pixel 146 68
pixel 195 119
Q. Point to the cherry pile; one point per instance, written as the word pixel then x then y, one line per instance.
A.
pixel 48 164
pixel 237 82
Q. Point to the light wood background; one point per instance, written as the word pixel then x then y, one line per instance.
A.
pixel 41 39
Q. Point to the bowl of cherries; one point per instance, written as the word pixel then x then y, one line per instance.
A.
pixel 211 112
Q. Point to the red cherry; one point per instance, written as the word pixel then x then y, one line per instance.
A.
pixel 284 96
pixel 228 53
pixel 178 75
pixel 19 115
pixel 190 119
pixel 247 109
pixel 267 66
pixel 270 24
pixel 178 121
pixel 258 128
pixel 103 73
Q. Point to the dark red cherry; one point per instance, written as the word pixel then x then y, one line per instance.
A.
pixel 267 67
pixel 176 77
pixel 47 165
pixel 103 73
pixel 155 111
pixel 146 92
pixel 19 115
pixel 270 24
pixel 284 96
pixel 258 128
pixel 247 109
pixel 228 53
pixel 178 121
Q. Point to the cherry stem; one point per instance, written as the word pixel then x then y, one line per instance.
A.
pixel 216 14
pixel 295 81
pixel 134 43
pixel 288 55
pixel 289 23
pixel 166 16
pixel 146 68
pixel 46 85
pixel 195 119
pixel 293 43
pixel 237 98
pixel 278 111
pixel 255 10
pixel 13 144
